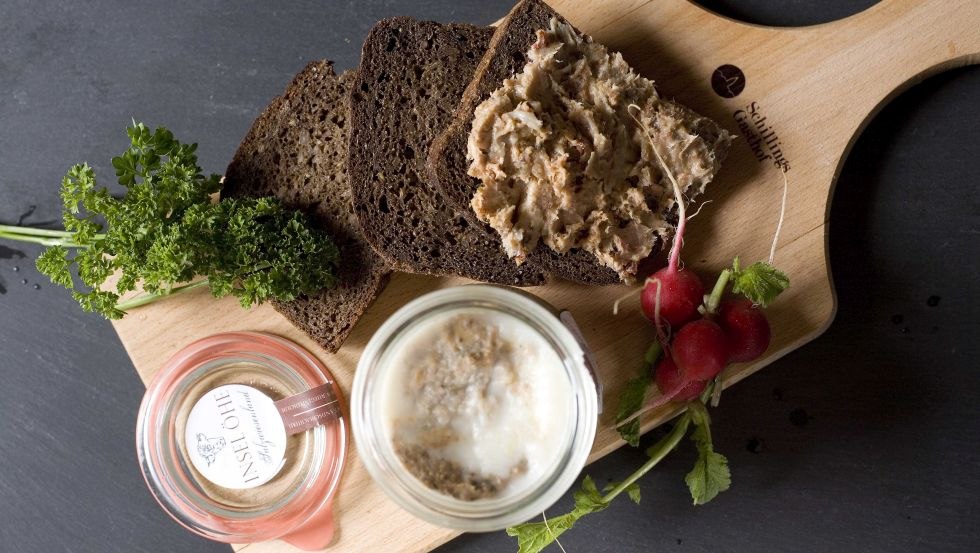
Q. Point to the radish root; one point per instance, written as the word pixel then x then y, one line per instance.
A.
pixel 700 207
pixel 716 392
pixel 782 217
pixel 675 250
pixel 552 532
pixel 629 295
pixel 651 405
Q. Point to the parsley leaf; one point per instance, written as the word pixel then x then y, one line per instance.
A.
pixel 166 230
pixel 710 475
pixel 55 263
pixel 759 282
pixel 532 537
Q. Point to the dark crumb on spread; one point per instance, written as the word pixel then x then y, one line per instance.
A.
pixel 897 319
pixel 777 394
pixel 449 477
pixel 755 445
pixel 933 301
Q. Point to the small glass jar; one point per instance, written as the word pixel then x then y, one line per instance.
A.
pixel 291 498
pixel 378 369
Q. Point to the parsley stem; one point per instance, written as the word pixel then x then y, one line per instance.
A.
pixel 34 231
pixel 43 236
pixel 711 306
pixel 44 241
pixel 657 452
pixel 144 299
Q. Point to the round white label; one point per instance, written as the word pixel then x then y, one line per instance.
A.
pixel 235 437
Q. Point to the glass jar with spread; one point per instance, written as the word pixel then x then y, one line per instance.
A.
pixel 241 438
pixel 474 407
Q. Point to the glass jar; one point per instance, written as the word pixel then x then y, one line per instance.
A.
pixel 379 368
pixel 189 456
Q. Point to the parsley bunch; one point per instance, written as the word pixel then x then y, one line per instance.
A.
pixel 166 231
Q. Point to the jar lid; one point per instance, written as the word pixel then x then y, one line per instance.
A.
pixel 215 450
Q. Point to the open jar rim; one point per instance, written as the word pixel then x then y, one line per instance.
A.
pixel 435 507
pixel 175 486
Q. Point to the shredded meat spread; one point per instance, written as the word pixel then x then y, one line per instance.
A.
pixel 562 162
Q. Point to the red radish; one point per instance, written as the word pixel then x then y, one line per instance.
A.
pixel 681 292
pixel 700 349
pixel 672 384
pixel 747 329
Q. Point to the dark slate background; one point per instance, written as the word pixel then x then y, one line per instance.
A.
pixel 864 440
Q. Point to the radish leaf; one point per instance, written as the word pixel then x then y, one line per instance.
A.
pixel 710 475
pixel 760 282
pixel 633 396
pixel 535 536
pixel 633 490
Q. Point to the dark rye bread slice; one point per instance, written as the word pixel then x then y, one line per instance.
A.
pixel 297 151
pixel 411 77
pixel 506 56
pixel 446 166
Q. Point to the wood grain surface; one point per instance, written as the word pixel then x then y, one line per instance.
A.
pixel 816 87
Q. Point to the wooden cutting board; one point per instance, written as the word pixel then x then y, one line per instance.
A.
pixel 796 96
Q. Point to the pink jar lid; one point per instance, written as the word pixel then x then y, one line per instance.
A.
pixel 197 484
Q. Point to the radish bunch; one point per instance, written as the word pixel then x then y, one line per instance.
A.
pixel 698 334
pixel 711 331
